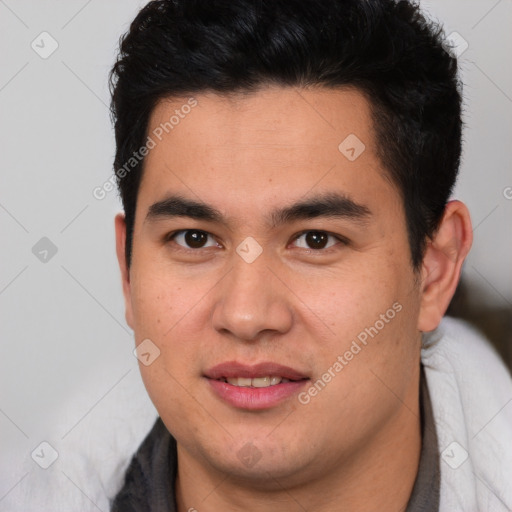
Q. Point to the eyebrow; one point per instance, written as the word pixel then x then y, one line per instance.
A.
pixel 330 205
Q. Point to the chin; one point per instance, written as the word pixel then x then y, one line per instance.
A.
pixel 259 462
pixel 269 476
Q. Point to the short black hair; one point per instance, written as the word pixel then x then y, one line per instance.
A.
pixel 387 49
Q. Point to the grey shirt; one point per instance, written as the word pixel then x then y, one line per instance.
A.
pixel 150 477
pixel 425 493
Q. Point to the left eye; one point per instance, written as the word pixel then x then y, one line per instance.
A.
pixel 316 240
pixel 193 239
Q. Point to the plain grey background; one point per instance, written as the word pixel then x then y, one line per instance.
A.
pixel 67 351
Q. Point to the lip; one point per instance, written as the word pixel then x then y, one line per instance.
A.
pixel 231 369
pixel 249 398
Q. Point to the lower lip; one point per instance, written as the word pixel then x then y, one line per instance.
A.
pixel 256 398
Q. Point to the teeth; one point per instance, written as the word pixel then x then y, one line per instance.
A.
pixel 259 382
pixel 242 382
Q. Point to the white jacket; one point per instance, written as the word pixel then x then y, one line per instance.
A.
pixel 471 394
pixel 470 390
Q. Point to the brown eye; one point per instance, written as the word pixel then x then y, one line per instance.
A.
pixel 196 239
pixel 193 239
pixel 316 240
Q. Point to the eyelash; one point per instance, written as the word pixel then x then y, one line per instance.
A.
pixel 171 236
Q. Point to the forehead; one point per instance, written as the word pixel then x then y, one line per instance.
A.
pixel 263 145
pixel 270 118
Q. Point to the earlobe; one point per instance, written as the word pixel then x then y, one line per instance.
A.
pixel 120 228
pixel 442 264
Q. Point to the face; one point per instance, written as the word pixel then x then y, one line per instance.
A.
pixel 270 244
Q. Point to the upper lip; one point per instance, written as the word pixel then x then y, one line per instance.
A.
pixel 232 369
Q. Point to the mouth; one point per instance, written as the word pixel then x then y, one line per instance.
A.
pixel 257 382
pixel 254 387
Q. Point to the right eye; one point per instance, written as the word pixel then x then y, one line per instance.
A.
pixel 192 239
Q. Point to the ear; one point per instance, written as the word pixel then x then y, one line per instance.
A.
pixel 120 226
pixel 442 264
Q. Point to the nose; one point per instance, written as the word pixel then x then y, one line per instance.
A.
pixel 251 302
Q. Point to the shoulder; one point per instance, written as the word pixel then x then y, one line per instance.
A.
pixel 471 393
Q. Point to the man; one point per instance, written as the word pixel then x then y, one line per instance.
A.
pixel 287 242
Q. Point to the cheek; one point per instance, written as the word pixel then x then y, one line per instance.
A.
pixel 368 316
pixel 163 310
pixel 348 301
pixel 170 309
pixel 159 301
pixel 372 353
